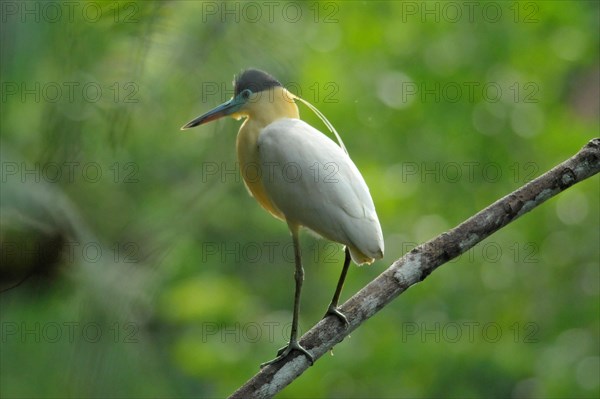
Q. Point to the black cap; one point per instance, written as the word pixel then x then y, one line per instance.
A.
pixel 255 80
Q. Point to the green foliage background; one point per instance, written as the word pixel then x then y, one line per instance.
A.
pixel 167 280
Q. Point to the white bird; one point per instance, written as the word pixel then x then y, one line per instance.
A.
pixel 300 176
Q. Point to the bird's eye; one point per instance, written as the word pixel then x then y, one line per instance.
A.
pixel 246 94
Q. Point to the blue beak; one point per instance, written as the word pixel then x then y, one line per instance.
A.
pixel 222 110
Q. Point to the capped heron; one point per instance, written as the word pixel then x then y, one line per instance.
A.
pixel 337 206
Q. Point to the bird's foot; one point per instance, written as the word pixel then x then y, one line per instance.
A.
pixel 333 311
pixel 283 352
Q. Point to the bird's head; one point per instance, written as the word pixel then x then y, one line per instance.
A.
pixel 259 95
pixel 251 87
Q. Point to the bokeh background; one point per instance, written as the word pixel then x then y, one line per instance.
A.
pixel 150 272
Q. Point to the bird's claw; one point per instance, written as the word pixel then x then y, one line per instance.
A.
pixel 283 352
pixel 333 311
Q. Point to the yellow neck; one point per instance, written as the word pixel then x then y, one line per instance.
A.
pixel 261 110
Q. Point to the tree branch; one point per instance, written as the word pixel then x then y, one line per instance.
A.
pixel 416 265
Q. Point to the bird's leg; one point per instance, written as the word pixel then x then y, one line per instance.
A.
pixel 299 278
pixel 332 309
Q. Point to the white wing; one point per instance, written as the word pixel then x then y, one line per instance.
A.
pixel 315 184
